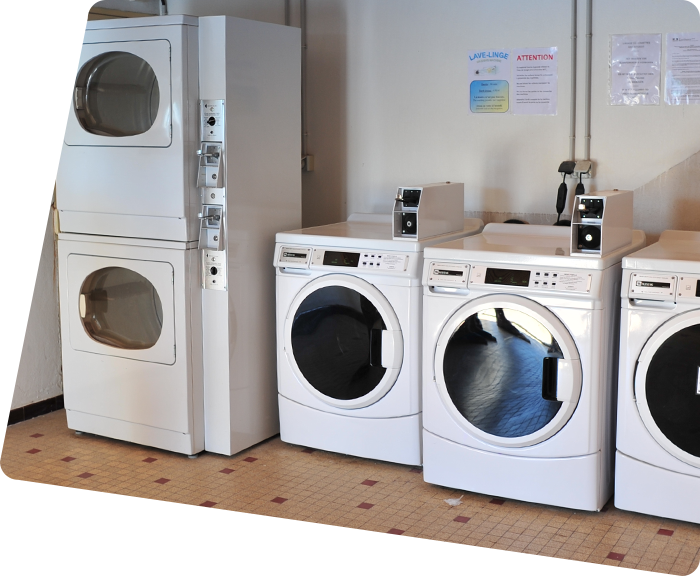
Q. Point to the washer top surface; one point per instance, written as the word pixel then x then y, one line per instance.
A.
pixel 145 21
pixel 676 251
pixel 369 232
pixel 528 245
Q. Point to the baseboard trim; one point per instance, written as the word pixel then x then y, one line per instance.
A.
pixel 37 409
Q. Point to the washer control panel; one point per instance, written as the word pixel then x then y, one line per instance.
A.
pixel 448 275
pixel 214 272
pixel 534 279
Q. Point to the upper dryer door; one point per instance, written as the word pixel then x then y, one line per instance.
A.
pixel 122 95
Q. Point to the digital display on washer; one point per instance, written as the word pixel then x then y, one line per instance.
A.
pixel 349 259
pixel 439 272
pixel 301 255
pixel 503 277
pixel 647 284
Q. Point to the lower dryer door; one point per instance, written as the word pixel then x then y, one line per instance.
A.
pixel 120 307
pixel 343 341
pixel 507 370
pixel 667 386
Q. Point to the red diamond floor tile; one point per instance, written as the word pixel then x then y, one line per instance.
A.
pixel 664 532
pixel 369 482
pixel 149 460
pixel 365 505
pixel 395 531
pixel 497 501
pixel 227 470
pixel 67 459
pixel 37 435
pixel 33 451
pixel 208 504
pixel 308 450
pixel 462 519
pixel 249 459
pixel 615 556
pixel 162 481
pixel 279 500
pixel 85 475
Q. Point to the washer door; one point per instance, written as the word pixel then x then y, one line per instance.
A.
pixel 120 307
pixel 508 370
pixel 343 341
pixel 667 386
pixel 122 95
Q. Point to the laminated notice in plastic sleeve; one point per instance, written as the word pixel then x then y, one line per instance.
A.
pixel 683 68
pixel 635 69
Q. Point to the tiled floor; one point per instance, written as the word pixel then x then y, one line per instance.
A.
pixel 288 481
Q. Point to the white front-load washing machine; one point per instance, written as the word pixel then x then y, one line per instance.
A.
pixel 658 421
pixel 348 337
pixel 519 366
pixel 131 336
pixel 128 166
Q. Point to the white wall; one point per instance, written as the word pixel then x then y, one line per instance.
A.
pixel 388 99
pixel 30 363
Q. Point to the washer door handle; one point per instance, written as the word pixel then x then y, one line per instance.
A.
pixel 382 348
pixel 557 379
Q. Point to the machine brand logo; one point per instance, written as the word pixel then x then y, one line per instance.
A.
pixel 73 37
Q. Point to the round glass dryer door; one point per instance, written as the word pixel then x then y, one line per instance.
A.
pixel 116 94
pixel 508 371
pixel 343 341
pixel 120 308
pixel 667 387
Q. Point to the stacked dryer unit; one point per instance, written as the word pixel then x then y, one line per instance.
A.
pixel 518 363
pixel 348 333
pixel 175 117
pixel 658 425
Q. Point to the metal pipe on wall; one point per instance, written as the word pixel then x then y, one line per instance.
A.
pixel 589 64
pixel 574 48
pixel 304 132
pixel 287 12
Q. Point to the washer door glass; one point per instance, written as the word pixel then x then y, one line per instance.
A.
pixel 116 94
pixel 336 342
pixel 672 389
pixel 121 308
pixel 508 371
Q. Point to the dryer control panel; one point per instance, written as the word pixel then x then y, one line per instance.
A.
pixel 656 286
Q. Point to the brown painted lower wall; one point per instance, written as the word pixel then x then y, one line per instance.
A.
pixel 36 409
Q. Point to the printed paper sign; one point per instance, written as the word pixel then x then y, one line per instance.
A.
pixel 489 75
pixel 635 69
pixel 683 68
pixel 535 82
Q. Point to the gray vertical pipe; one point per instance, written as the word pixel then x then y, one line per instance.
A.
pixel 574 48
pixel 287 13
pixel 304 133
pixel 589 64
